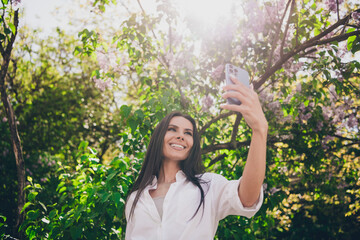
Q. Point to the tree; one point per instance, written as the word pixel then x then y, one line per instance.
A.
pixel 9 27
pixel 56 106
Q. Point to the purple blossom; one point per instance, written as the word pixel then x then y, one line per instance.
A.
pixel 326 112
pixel 325 141
pixel 356 16
pixel 4 119
pixel 207 102
pixel 16 4
pixel 106 60
pixel 332 4
pixel 319 126
pixel 306 116
pixel 216 74
pixel 103 85
pixel 352 121
pixel 298 87
pixel 339 75
pixel 273 106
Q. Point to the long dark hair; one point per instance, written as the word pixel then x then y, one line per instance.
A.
pixel 192 166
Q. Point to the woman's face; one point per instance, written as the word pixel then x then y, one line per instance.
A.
pixel 178 139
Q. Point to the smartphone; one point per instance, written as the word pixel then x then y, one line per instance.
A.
pixel 240 74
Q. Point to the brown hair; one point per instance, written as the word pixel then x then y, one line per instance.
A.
pixel 192 166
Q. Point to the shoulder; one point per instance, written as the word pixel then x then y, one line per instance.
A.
pixel 212 179
pixel 209 176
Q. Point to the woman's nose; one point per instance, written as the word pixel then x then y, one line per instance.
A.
pixel 180 137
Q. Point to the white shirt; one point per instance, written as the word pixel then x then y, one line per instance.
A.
pixel 180 204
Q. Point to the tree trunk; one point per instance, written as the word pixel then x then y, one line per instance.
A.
pixel 16 145
pixel 15 139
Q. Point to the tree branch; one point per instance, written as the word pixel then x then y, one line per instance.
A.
pixel 287 26
pixel 222 146
pixel 224 115
pixel 235 129
pixel 277 34
pixel 217 159
pixel 310 43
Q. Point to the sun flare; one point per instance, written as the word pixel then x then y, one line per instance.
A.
pixel 206 12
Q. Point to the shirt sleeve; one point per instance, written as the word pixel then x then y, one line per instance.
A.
pixel 226 199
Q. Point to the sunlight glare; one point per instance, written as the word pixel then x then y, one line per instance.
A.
pixel 207 12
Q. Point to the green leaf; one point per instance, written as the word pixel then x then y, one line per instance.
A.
pixel 33 214
pixel 26 206
pixel 75 232
pixel 32 196
pixel 133 124
pixel 351 39
pixel 12 28
pixel 62 190
pixel 83 145
pixel 125 110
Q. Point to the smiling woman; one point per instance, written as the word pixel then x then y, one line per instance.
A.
pixel 174 199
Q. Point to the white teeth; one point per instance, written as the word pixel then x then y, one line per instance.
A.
pixel 177 145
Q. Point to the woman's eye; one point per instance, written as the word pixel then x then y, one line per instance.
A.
pixel 189 133
pixel 171 129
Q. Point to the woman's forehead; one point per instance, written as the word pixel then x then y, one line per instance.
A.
pixel 181 122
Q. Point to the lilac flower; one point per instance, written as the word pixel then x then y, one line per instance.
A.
pixel 339 75
pixel 216 74
pixel 306 116
pixel 352 121
pixel 207 102
pixel 332 4
pixel 103 85
pixel 16 4
pixel 106 60
pixel 298 87
pixel 325 141
pixel 102 60
pixel 326 112
pixel 356 16
pixel 274 106
pixel 319 126
pixel 4 119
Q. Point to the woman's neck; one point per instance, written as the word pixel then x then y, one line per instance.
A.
pixel 168 171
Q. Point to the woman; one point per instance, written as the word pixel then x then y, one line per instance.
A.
pixel 172 199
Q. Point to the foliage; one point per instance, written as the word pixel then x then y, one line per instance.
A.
pixel 90 200
pixel 298 54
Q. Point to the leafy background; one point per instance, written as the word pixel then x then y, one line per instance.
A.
pixel 86 106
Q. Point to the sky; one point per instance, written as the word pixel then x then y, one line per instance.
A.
pixel 49 14
pixel 43 13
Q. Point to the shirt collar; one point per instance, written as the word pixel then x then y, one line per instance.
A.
pixel 180 177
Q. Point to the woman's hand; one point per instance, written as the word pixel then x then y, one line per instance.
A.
pixel 250 107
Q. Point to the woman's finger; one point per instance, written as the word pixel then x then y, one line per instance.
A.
pixel 234 94
pixel 232 107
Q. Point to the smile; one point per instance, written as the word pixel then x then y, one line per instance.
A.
pixel 177 146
